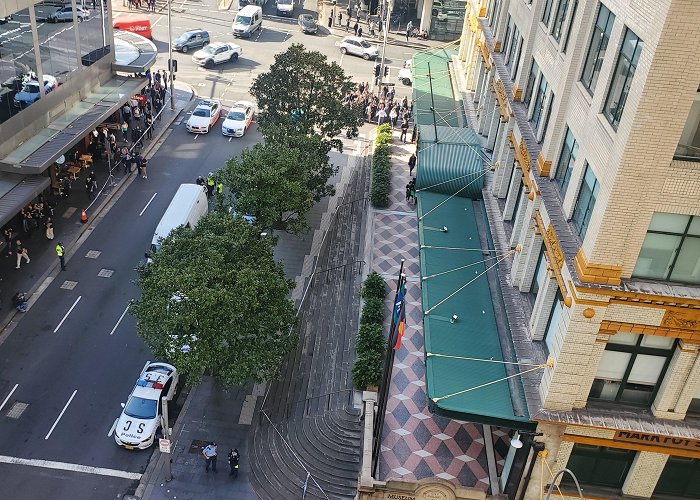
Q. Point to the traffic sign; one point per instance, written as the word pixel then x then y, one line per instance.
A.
pixel 164 445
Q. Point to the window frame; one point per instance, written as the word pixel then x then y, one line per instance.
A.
pixel 676 252
pixel 614 117
pixel 597 55
pixel 563 178
pixel 588 210
pixel 634 351
pixel 559 19
pixel 536 115
pixel 691 465
pixel 567 35
pixel 598 453
pixel 558 302
pixel 547 13
pixel 530 84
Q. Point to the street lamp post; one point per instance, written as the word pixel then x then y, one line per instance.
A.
pixel 166 434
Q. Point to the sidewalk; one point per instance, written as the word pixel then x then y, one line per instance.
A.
pixel 210 413
pixel 68 229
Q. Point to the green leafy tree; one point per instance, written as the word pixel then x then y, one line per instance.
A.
pixel 303 93
pixel 214 299
pixel 278 183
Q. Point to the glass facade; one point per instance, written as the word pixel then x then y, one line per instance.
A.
pixel 567 159
pixel 627 62
pixel 68 42
pixel 671 249
pixel 632 368
pixel 587 197
pixel 447 19
pixel 597 47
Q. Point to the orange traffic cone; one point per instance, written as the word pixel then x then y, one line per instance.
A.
pixel 83 217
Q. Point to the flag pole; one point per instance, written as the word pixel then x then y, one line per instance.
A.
pixel 383 395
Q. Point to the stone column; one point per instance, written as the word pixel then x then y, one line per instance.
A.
pixel 504 172
pixel 543 306
pixel 644 474
pixel 678 376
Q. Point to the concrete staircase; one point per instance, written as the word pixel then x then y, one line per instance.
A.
pixel 308 415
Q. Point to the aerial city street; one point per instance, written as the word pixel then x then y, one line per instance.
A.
pixel 349 249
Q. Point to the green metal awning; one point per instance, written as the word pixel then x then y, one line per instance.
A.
pixel 433 62
pixel 474 334
pixel 452 164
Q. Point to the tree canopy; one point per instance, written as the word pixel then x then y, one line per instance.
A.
pixel 214 299
pixel 303 92
pixel 278 182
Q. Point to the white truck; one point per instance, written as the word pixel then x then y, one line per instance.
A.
pixel 217 53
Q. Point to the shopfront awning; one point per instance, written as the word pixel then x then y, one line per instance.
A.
pixel 16 191
pixel 452 164
pixel 134 53
pixel 461 334
pixel 432 88
pixel 36 154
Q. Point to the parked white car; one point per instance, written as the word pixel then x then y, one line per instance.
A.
pixel 238 119
pixel 136 427
pixel 358 46
pixel 217 53
pixel 65 14
pixel 204 116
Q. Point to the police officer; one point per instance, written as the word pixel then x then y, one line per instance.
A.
pixel 210 184
pixel 233 457
pixel 219 187
pixel 60 251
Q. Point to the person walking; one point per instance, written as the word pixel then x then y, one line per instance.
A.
pixel 21 251
pixel 404 130
pixel 233 457
pixel 149 127
pixel 60 251
pixel 8 241
pixel 144 165
pixel 340 19
pixel 49 228
pixel 347 24
pixel 359 31
pixel 356 27
pixel 209 454
pixel 409 28
pixel 330 19
pixel 411 163
pixel 90 189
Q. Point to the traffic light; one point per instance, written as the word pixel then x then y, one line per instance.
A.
pixel 172 65
pixel 377 69
pixel 386 70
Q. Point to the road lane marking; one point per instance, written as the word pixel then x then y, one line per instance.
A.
pixel 87 469
pixel 9 396
pixel 69 311
pixel 111 430
pixel 119 321
pixel 149 202
pixel 61 414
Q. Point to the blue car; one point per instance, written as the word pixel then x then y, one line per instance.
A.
pixel 31 89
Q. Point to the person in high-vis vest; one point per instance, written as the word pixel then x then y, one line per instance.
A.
pixel 220 187
pixel 210 184
pixel 61 251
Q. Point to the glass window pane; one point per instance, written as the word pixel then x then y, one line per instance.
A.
pixel 646 369
pixel 571 23
pixel 559 19
pixel 623 76
pixel 694 228
pixel 555 316
pixel 540 274
pixel 586 202
pixel 687 266
pixel 605 389
pixel 17 66
pixel 613 365
pixel 530 83
pixel 597 48
pixel 624 338
pixel 93 35
pixel 669 223
pixel 56 31
pixel 680 478
pixel 656 342
pixel 656 256
pixel 547 13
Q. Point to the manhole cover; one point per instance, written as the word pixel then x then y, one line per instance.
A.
pixel 197 445
pixel 69 285
pixel 93 254
pixel 105 273
pixel 17 409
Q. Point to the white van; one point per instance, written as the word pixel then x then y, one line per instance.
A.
pixel 247 21
pixel 188 206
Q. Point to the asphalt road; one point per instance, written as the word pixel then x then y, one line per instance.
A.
pixel 70 362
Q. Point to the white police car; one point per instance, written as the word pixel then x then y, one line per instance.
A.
pixel 238 119
pixel 204 116
pixel 136 427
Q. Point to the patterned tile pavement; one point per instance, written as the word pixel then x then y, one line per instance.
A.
pixel 415 443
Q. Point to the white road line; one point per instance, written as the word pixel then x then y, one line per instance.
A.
pixel 340 63
pixel 195 136
pixel 119 321
pixel 87 469
pixel 111 430
pixel 149 202
pixel 61 414
pixel 230 139
pixel 69 311
pixel 9 396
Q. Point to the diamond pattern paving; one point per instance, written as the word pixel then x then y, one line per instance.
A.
pixel 415 443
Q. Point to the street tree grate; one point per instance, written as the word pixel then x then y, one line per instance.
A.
pixel 106 273
pixel 69 285
pixel 197 445
pixel 93 254
pixel 17 409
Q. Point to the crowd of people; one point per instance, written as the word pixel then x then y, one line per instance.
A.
pixel 382 107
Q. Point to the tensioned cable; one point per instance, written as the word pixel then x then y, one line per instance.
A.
pixel 423 278
pixel 470 174
pixel 451 196
pixel 552 476
pixel 458 248
pixel 465 358
pixel 467 284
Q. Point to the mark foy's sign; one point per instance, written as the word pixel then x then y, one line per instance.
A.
pixel 655 439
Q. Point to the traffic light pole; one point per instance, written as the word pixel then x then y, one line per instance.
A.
pixel 171 66
pixel 387 20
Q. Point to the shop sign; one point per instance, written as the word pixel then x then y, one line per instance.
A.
pixel 655 439
pixel 399 496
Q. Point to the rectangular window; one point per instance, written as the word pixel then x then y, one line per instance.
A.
pixel 516 63
pixel 550 334
pixel 527 95
pixel 496 12
pixel 680 478
pixel 596 49
pixel 540 274
pixel 632 368
pixel 586 202
pixel 671 249
pixel 515 42
pixel 565 166
pixel 622 79
pixel 599 465
pixel 540 102
pixel 694 408
pixel 547 13
pixel 568 29
pixel 559 18
pixel 507 38
pixel 550 105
